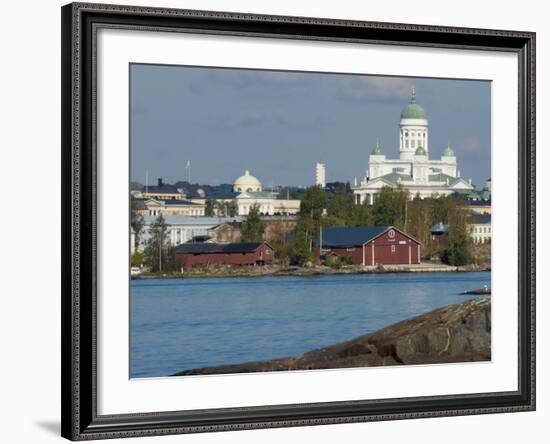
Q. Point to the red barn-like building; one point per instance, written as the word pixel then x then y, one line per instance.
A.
pixel 371 245
pixel 204 254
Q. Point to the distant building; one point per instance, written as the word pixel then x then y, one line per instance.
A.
pixel 480 201
pixel 172 207
pixel 161 191
pixel 227 232
pixel 183 229
pixel 205 254
pixel 480 228
pixel 413 171
pixel 479 206
pixel 320 174
pixel 250 193
pixel 370 245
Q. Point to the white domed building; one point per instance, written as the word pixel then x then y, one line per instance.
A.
pixel 247 184
pixel 250 194
pixel 413 171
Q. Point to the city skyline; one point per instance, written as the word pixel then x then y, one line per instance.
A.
pixel 278 124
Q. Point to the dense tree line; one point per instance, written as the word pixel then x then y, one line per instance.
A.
pixel 319 208
pixel 392 207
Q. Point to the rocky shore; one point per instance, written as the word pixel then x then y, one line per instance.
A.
pixel 314 270
pixel 456 333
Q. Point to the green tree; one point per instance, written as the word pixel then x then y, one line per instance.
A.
pixel 362 215
pixel 232 208
pixel 137 259
pixel 136 221
pixel 221 208
pixel 156 250
pixel 341 205
pixel 307 226
pixel 210 207
pixel 459 242
pixel 419 223
pixel 391 207
pixel 253 227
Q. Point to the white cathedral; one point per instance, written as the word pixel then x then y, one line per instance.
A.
pixel 413 170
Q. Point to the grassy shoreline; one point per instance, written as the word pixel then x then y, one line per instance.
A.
pixel 317 270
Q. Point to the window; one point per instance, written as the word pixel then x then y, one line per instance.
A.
pixel 393 248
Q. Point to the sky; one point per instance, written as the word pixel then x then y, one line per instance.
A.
pixel 278 124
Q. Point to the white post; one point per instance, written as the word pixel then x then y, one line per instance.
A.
pixel 372 251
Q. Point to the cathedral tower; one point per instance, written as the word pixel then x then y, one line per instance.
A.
pixel 413 129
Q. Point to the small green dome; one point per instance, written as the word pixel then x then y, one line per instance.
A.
pixel 420 151
pixel 377 150
pixel 413 110
pixel 448 151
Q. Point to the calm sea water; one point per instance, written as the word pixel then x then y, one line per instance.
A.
pixel 179 324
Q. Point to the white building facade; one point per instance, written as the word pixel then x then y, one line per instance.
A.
pixel 413 171
pixel 320 174
pixel 480 228
pixel 181 229
pixel 251 194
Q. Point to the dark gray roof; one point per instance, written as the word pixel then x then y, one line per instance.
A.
pixel 164 188
pixel 350 236
pixel 221 194
pixel 242 247
pixel 480 218
pixel 475 203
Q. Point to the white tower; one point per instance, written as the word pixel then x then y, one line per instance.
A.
pixel 413 129
pixel 320 173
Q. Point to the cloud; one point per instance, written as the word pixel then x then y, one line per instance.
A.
pixel 245 78
pixel 470 144
pixel 385 89
pixel 280 117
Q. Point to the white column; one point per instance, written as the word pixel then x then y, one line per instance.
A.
pixel 372 251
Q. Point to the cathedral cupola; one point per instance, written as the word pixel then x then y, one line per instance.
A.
pixel 413 129
pixel 448 151
pixel 377 150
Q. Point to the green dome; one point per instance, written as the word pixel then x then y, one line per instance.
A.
pixel 420 151
pixel 377 150
pixel 413 110
pixel 449 151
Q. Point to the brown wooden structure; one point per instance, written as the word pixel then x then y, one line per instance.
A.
pixel 205 254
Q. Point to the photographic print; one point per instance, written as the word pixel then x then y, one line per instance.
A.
pixel 288 220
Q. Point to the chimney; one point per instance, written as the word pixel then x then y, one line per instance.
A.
pixel 160 181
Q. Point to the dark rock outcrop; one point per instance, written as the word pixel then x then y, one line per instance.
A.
pixel 456 333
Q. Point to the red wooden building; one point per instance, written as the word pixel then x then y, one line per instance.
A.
pixel 439 234
pixel 204 254
pixel 371 245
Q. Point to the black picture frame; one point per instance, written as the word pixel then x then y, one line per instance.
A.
pixel 80 420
